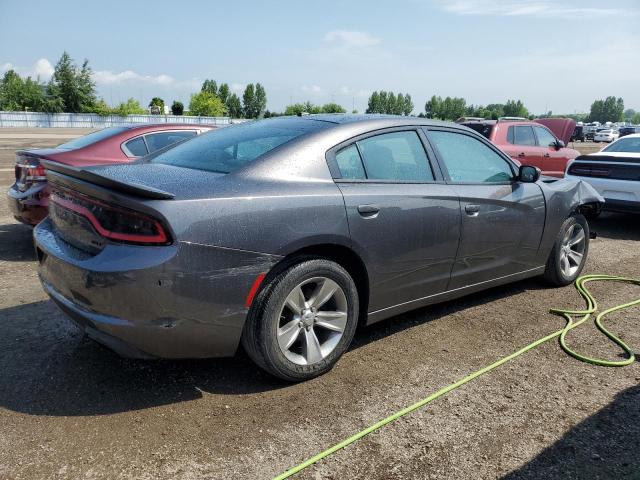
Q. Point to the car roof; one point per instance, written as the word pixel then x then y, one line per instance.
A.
pixel 368 118
pixel 164 126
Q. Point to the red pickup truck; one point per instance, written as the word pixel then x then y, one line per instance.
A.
pixel 541 143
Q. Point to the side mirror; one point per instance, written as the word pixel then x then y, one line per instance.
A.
pixel 529 174
pixel 558 144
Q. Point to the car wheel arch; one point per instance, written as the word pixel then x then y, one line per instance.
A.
pixel 344 256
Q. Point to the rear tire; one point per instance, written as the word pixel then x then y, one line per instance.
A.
pixel 303 320
pixel 569 253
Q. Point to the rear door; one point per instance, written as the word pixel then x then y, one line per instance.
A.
pixel 502 218
pixel 404 220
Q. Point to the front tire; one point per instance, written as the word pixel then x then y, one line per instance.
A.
pixel 303 320
pixel 569 253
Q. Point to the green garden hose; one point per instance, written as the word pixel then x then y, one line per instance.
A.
pixel 592 307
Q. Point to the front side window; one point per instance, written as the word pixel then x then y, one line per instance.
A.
pixel 156 141
pixel 545 137
pixel 524 135
pixel 396 156
pixel 469 160
pixel 136 147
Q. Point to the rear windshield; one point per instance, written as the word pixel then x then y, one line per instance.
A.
pixel 631 145
pixel 482 128
pixel 92 138
pixel 230 148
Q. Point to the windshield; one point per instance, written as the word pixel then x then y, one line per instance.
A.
pixel 92 138
pixel 631 145
pixel 227 149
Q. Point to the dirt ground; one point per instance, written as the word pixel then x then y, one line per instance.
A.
pixel 72 409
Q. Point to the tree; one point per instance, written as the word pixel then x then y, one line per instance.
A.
pixel 611 109
pixel 19 94
pixel 71 88
pixel 223 93
pixel 333 108
pixel 177 108
pixel 260 101
pixel 101 108
pixel 629 114
pixel 390 103
pixel 207 105
pixel 249 101
pixel 373 105
pixel 210 86
pixel 157 102
pixel 636 119
pixel 407 106
pixel 432 107
pixel 234 107
pixel 130 107
pixel 515 108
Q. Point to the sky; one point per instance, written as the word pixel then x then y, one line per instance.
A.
pixel 553 55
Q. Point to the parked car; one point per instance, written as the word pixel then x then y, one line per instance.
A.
pixel 283 234
pixel 614 172
pixel 607 135
pixel 579 134
pixel 531 143
pixel 628 130
pixel 29 195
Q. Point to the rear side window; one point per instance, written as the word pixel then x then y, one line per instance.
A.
pixel 228 149
pixel 545 137
pixel 398 156
pixel 137 147
pixel 524 135
pixel 631 145
pixel 350 164
pixel 467 159
pixel 156 141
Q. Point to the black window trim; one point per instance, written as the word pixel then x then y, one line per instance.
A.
pixel 514 168
pixel 127 152
pixel 330 157
pixel 535 133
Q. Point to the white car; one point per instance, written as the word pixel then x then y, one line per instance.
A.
pixel 614 172
pixel 608 135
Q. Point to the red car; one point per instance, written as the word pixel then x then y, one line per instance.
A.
pixel 29 195
pixel 541 143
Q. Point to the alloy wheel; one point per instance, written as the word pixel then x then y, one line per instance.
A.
pixel 312 320
pixel 572 250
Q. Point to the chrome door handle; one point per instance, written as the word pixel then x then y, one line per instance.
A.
pixel 368 210
pixel 472 210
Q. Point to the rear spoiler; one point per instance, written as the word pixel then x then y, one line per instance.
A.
pixel 101 180
pixel 606 158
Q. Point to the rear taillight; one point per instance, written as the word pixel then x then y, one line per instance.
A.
pixel 113 222
pixel 29 170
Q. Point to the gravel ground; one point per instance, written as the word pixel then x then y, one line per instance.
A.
pixel 72 409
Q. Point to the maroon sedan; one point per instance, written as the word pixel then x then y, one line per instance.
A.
pixel 29 195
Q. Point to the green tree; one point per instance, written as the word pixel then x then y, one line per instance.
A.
pixel 515 108
pixel 157 102
pixel 636 119
pixel 333 108
pixel 373 105
pixel 234 106
pixel 260 101
pixel 223 93
pixel 102 108
pixel 207 105
pixel 71 87
pixel 611 109
pixel 407 105
pixel 177 108
pixel 433 107
pixel 130 107
pixel 249 101
pixel 19 94
pixel 210 86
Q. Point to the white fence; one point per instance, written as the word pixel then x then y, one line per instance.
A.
pixel 93 120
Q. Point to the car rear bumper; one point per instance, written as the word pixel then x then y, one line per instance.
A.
pixel 619 195
pixel 177 301
pixel 30 206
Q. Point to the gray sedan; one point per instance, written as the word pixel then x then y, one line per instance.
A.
pixel 284 234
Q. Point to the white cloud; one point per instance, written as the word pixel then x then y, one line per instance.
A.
pixel 519 8
pixel 351 38
pixel 107 77
pixel 42 69
pixel 352 92
pixel 311 89
pixel 237 87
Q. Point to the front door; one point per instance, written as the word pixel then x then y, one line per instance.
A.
pixel 502 218
pixel 403 219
